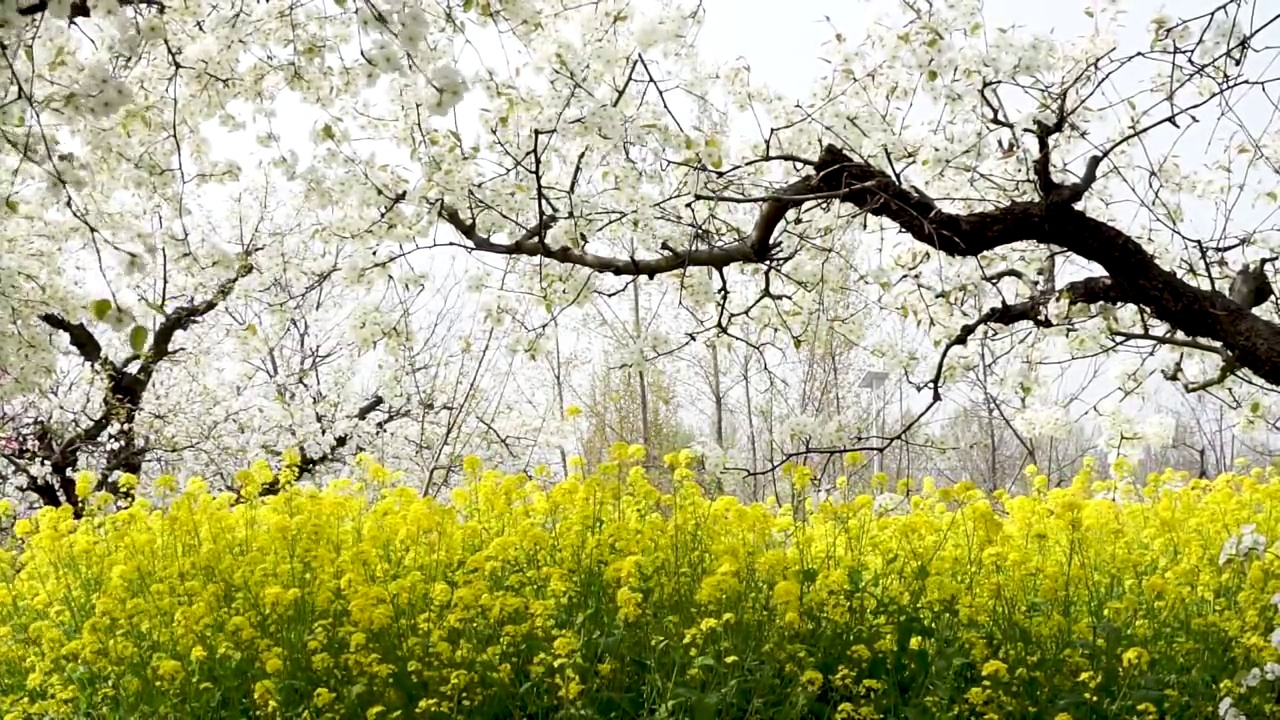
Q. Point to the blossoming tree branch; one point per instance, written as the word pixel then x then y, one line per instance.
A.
pixel 1191 309
pixel 1052 218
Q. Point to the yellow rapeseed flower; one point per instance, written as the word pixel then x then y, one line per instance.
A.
pixel 811 680
pixel 1134 656
pixel 994 668
pixel 85 482
pixel 444 606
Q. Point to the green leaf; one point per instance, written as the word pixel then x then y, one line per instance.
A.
pixel 795 342
pixel 932 75
pixel 138 338
pixel 12 205
pixel 251 329
pixel 468 5
pixel 100 308
pixel 155 307
pixel 326 132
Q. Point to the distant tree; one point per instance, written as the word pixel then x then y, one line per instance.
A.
pixel 616 411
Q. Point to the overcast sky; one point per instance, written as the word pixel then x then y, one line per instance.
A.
pixel 780 40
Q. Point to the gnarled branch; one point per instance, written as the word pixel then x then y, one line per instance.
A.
pixel 533 244
pixel 121 401
pixel 1136 277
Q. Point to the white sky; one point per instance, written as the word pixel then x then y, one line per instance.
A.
pixel 782 45
pixel 781 40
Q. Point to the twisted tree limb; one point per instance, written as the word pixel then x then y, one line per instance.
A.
pixel 307 463
pixel 533 244
pixel 1134 277
pixel 121 403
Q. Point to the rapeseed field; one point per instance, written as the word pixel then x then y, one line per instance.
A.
pixel 599 596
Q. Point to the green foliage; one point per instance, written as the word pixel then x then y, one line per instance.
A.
pixel 138 338
pixel 100 308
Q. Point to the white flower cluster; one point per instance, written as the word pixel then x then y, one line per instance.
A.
pixel 698 291
pixel 100 94
pixel 449 87
pixel 632 355
pixel 384 55
pixel 536 347
pixel 414 29
pixel 816 430
pixel 1157 430
pixel 659 31
pixel 1045 419
pixel 368 325
pixel 890 503
pixel 475 280
pixel 496 308
pixel 1240 546
pixel 1269 671
pixel 151 28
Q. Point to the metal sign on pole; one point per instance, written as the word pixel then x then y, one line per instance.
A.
pixel 874 380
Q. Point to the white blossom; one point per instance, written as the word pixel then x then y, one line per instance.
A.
pixel 1241 545
pixel 1228 711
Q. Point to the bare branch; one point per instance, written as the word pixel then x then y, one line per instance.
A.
pixel 532 244
pixel 81 338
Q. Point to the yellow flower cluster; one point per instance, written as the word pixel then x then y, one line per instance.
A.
pixel 602 596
